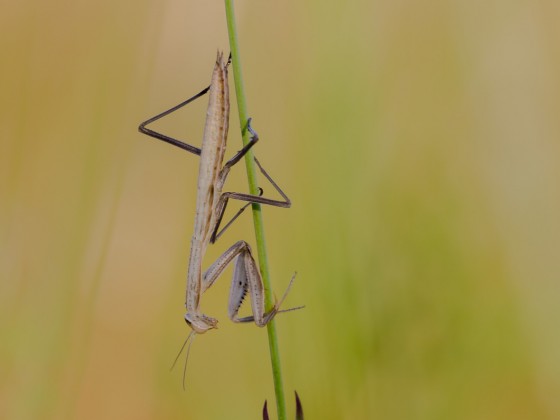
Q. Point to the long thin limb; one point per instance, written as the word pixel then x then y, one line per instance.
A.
pixel 228 224
pixel 237 157
pixel 189 148
pixel 185 146
pixel 222 203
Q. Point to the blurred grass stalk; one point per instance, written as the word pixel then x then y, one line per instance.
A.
pixel 257 214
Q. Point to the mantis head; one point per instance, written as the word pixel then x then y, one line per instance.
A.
pixel 200 323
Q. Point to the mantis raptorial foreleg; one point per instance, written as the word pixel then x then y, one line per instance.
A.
pixel 246 278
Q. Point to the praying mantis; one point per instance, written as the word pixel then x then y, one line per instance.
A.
pixel 211 203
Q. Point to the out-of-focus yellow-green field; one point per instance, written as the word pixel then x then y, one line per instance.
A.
pixel 418 141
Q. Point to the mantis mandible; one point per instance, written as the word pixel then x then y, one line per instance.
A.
pixel 210 207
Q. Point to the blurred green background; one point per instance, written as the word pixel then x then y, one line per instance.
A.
pixel 419 142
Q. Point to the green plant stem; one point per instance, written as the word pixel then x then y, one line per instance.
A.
pixel 257 213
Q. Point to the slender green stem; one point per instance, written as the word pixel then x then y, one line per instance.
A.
pixel 257 213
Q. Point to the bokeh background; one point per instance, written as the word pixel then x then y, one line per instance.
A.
pixel 419 142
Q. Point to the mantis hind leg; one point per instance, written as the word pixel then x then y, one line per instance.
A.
pixel 163 137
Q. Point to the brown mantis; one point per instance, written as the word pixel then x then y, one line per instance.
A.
pixel 210 206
